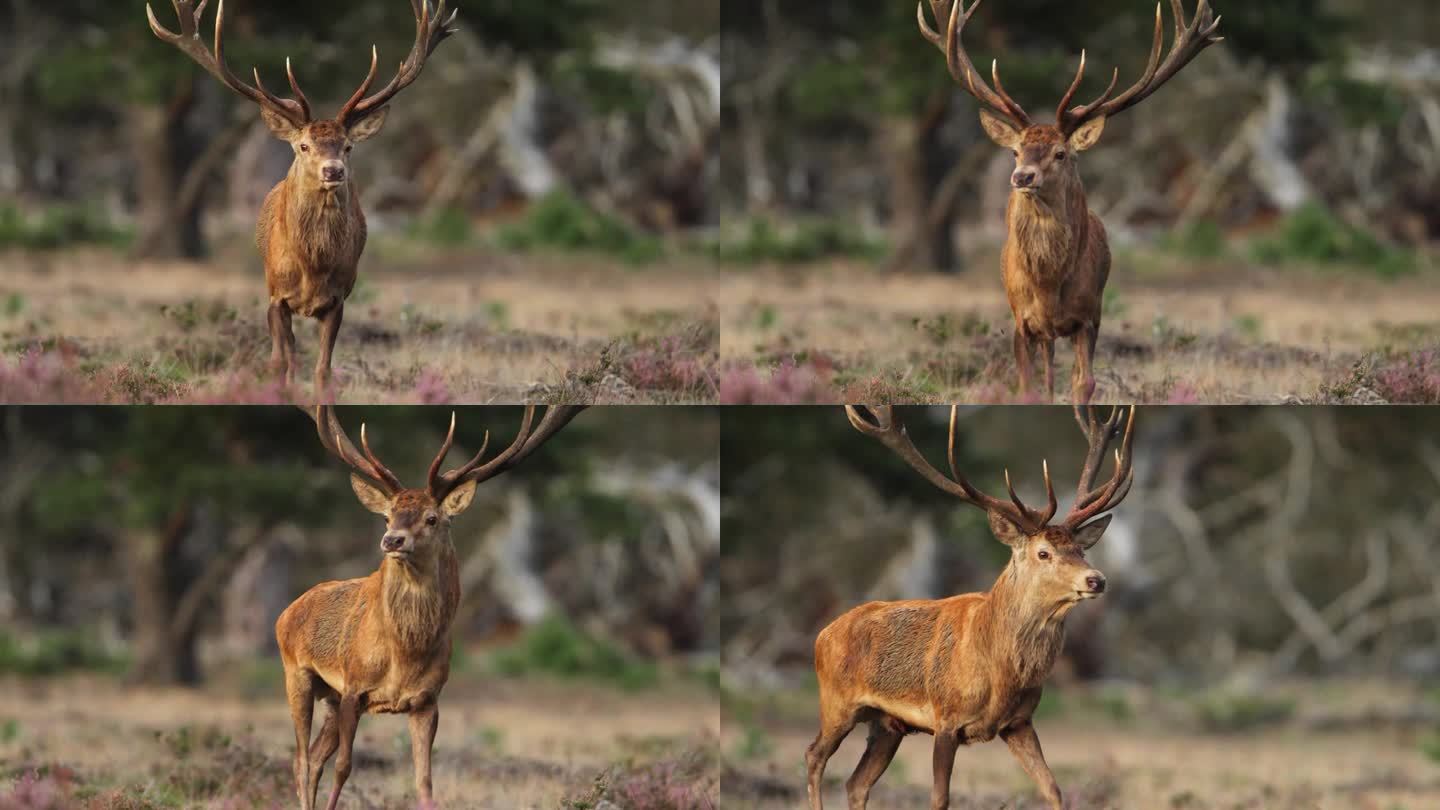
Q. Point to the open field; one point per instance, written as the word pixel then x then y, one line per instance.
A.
pixel 503 744
pixel 422 325
pixel 1174 331
pixel 1332 747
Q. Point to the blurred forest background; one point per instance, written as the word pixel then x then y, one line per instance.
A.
pixel 1272 621
pixel 1289 170
pixel 564 146
pixel 147 552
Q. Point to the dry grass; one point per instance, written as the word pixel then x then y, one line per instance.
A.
pixel 502 744
pixel 473 327
pixel 1175 331
pixel 1144 761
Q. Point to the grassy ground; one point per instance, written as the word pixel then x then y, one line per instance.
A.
pixel 503 744
pixel 1302 747
pixel 1174 330
pixel 422 325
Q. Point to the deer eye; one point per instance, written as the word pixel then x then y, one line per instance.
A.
pixel 430 520
pixel 304 147
pixel 348 147
pixel 1044 555
pixel 1059 155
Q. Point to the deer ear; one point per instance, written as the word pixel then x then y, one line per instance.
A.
pixel 1000 131
pixel 1089 534
pixel 459 499
pixel 279 125
pixel 1088 133
pixel 1005 530
pixel 370 497
pixel 367 127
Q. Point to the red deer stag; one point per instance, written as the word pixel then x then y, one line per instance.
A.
pixel 311 230
pixel 382 644
pixel 1056 257
pixel 970 667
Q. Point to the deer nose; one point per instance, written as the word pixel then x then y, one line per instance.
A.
pixel 333 172
pixel 392 541
pixel 1095 582
pixel 1022 179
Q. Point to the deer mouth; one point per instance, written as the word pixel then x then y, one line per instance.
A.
pixel 398 554
pixel 1081 596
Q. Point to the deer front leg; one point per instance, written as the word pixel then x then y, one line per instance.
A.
pixel 423 725
pixel 282 342
pixel 1025 745
pixel 321 750
pixel 329 332
pixel 1047 348
pixel 347 718
pixel 299 691
pixel 1083 384
pixel 1022 358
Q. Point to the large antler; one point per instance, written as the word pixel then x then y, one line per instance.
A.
pixel 430 31
pixel 1190 39
pixel 961 68
pixel 1089 499
pixel 526 442
pixel 333 437
pixel 888 428
pixel 296 111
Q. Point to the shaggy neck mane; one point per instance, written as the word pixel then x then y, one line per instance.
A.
pixel 419 600
pixel 1025 633
pixel 318 220
pixel 1045 234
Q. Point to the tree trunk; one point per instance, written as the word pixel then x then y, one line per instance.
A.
pixel 922 239
pixel 164 654
pixel 168 227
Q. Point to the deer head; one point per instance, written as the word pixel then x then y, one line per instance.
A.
pixel 322 147
pixel 1047 561
pixel 1045 153
pixel 417 521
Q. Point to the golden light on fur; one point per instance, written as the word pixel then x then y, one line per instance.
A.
pixel 968 668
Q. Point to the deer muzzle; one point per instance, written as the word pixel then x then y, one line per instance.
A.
pixel 1025 179
pixel 1091 584
pixel 397 543
pixel 332 173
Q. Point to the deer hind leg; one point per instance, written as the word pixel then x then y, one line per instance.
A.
pixel 946 744
pixel 423 725
pixel 300 691
pixel 347 718
pixel 833 729
pixel 329 332
pixel 1025 745
pixel 322 749
pixel 880 748
pixel 1083 382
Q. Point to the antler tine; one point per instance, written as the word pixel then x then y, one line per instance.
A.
pixel 430 31
pixel 957 59
pixel 890 431
pixel 526 442
pixel 1038 517
pixel 333 438
pixel 213 61
pixel 1191 38
pixel 1090 503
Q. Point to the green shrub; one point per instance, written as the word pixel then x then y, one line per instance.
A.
pixel 449 227
pixel 561 221
pixel 556 647
pixel 811 240
pixel 1230 713
pixel 1313 234
pixel 1201 239
pixel 59 226
pixel 55 652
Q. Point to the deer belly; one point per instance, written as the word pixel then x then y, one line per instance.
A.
pixel 386 701
pixel 919 716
